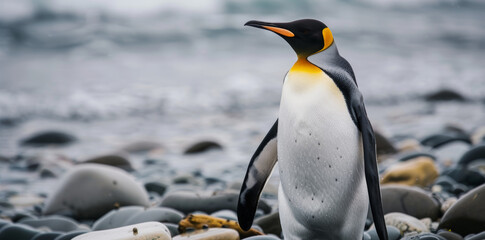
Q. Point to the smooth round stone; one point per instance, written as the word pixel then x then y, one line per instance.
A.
pixel 210 234
pixel 383 145
pixel 186 179
pixel 412 201
pixel 270 223
pixel 405 223
pixel 116 217
pixel 226 214
pixel 156 187
pixel 159 214
pixel 478 165
pixel 18 232
pixel 114 160
pixel 444 95
pixel 133 215
pixel 46 172
pixel 461 174
pixel 449 154
pixel 466 216
pixel 202 146
pixel 206 201
pixel 263 237
pixel 173 228
pixel 450 235
pixel 479 236
pixel 449 185
pixel 146 230
pixel 392 233
pixel 16 215
pixel 54 223
pixel 88 191
pixel 4 223
pixel 71 235
pixel 47 138
pixel 441 139
pixel 141 146
pixel 416 172
pixel 423 236
pixel 47 236
pixel 414 155
pixel 475 153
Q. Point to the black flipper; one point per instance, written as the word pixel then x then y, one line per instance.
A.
pixel 370 162
pixel 259 170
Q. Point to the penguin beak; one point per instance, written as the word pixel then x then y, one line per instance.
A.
pixel 274 27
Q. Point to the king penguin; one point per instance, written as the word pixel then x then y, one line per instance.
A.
pixel 323 141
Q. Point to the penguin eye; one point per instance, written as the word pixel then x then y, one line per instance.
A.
pixel 305 31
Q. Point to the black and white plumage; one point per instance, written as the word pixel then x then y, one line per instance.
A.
pixel 323 141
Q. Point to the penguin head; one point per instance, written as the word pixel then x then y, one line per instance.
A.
pixel 306 36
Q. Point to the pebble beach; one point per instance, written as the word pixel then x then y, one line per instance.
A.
pixel 138 122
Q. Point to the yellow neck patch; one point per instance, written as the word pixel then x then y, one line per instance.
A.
pixel 303 65
pixel 304 75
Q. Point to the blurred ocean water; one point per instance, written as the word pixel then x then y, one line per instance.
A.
pixel 116 71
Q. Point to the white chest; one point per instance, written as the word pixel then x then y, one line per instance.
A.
pixel 320 159
pixel 319 146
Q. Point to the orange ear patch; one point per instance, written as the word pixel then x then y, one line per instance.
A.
pixel 327 38
pixel 282 31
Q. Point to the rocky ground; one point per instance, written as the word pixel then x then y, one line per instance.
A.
pixel 432 188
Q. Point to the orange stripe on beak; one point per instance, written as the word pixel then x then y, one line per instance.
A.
pixel 282 31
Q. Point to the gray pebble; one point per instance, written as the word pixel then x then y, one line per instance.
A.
pixel 55 223
pixel 474 153
pixel 114 160
pixel 263 237
pixel 156 187
pixel 48 138
pixel 47 236
pixel 478 236
pixel 466 215
pixel 462 174
pixel 202 147
pixel 423 236
pixel 4 223
pixel 450 235
pixel 18 232
pixel 392 232
pixel 158 214
pixel 412 201
pixel 132 215
pixel 116 218
pixel 71 235
pixel 188 202
pixel 270 223
pixel 226 214
pixel 141 146
pixel 173 228
pixel 88 191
